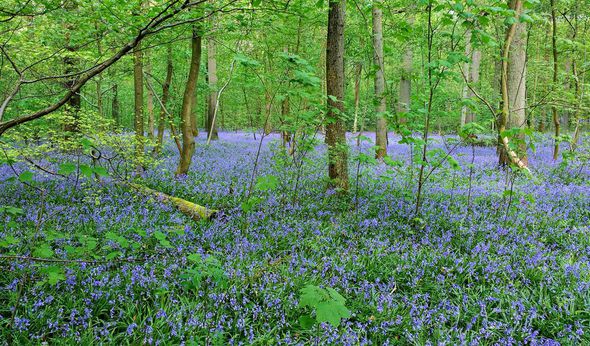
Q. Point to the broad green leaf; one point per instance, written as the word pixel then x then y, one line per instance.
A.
pixel 25 177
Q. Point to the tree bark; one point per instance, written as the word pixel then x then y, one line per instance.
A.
pixel 190 209
pixel 138 97
pixel 556 122
pixel 357 94
pixel 150 101
pixel 165 95
pixel 335 130
pixel 471 70
pixel 513 89
pixel 75 102
pixel 212 78
pixel 405 83
pixel 380 100
pixel 115 111
pixel 188 140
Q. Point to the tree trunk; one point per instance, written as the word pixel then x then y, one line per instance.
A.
pixel 115 111
pixel 405 83
pixel 138 95
pixel 357 94
pixel 471 71
pixel 212 77
pixel 335 130
pixel 195 121
pixel 99 103
pixel 75 102
pixel 188 140
pixel 267 113
pixel 380 100
pixel 165 96
pixel 467 77
pixel 513 91
pixel 470 116
pixel 556 122
pixel 150 101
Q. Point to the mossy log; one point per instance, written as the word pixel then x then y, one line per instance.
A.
pixel 190 209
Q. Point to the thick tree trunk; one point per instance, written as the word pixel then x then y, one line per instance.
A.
pixel 405 83
pixel 75 102
pixel 188 140
pixel 513 87
pixel 335 130
pixel 138 96
pixel 165 95
pixel 380 100
pixel 212 78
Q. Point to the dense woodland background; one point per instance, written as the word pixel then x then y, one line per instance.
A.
pixel 294 172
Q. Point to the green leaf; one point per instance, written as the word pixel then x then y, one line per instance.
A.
pixel 66 168
pixel 25 177
pixel 525 18
pixel 331 312
pixel 113 255
pixel 43 251
pixel 101 171
pixel 86 170
pixel 267 183
pixel 55 275
pixel 310 296
pixel 194 257
pixel 159 235
pixel 336 296
pixel 306 321
pixel 8 240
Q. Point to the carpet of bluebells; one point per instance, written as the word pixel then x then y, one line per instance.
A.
pixel 498 268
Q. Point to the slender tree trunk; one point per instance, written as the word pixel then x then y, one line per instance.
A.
pixel 165 95
pixel 471 69
pixel 268 112
pixel 285 111
pixel 188 140
pixel 467 76
pixel 195 121
pixel 150 100
pixel 556 122
pixel 474 79
pixel 99 103
pixel 138 96
pixel 115 111
pixel 357 94
pixel 212 77
pixel 405 83
pixel 513 87
pixel 335 130
pixel 380 100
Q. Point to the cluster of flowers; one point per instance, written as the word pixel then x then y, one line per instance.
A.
pixel 494 268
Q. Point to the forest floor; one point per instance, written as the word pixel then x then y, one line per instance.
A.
pixel 497 267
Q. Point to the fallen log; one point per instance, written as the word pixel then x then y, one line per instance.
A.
pixel 190 209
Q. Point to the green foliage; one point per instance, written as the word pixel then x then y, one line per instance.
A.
pixel 202 269
pixel 328 304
